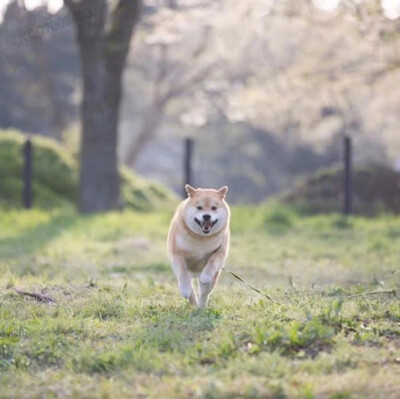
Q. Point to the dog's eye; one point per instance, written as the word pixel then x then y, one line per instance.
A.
pixel 214 208
pixel 199 208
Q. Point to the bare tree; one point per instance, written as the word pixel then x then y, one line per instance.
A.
pixel 46 81
pixel 179 59
pixel 104 32
pixel 169 84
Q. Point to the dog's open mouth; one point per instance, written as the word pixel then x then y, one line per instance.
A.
pixel 206 226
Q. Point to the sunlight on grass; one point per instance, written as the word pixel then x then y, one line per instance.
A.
pixel 119 326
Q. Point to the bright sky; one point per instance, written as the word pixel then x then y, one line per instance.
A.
pixel 54 5
pixel 391 7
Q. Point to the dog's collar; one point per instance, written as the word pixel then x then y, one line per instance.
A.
pixel 216 250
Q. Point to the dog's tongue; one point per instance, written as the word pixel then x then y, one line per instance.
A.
pixel 206 225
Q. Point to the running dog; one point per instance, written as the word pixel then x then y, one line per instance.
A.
pixel 198 241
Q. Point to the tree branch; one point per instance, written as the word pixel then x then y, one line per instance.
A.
pixel 39 297
pixel 392 292
pixel 178 89
pixel 124 18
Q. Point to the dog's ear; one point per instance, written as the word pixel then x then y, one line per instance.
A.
pixel 222 191
pixel 190 190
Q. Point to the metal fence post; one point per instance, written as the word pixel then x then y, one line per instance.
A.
pixel 27 152
pixel 348 181
pixel 187 163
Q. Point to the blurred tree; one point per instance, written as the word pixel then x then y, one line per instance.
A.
pixel 39 72
pixel 46 80
pixel 298 75
pixel 170 72
pixel 104 31
pixel 230 73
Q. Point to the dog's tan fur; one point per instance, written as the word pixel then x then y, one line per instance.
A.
pixel 199 248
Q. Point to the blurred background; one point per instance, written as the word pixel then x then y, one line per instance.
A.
pixel 267 90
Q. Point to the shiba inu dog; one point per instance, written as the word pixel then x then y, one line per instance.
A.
pixel 198 241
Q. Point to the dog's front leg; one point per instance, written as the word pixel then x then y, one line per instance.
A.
pixel 209 278
pixel 206 290
pixel 185 282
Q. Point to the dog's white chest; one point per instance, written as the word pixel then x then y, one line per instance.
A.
pixel 196 247
pixel 197 252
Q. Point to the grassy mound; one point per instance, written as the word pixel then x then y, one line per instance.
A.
pixel 144 195
pixel 376 190
pixel 55 179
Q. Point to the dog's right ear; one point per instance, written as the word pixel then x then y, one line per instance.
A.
pixel 222 191
pixel 190 190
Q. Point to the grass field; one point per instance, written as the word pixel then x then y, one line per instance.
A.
pixel 118 327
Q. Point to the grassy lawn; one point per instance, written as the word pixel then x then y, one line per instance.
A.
pixel 118 327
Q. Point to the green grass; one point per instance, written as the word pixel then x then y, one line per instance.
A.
pixel 119 328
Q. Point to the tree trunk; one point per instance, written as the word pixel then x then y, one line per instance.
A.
pixel 103 53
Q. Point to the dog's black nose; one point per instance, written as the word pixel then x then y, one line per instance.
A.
pixel 206 217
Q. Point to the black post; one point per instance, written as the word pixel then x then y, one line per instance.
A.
pixel 187 164
pixel 27 174
pixel 348 182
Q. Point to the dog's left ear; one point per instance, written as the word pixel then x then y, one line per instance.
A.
pixel 222 191
pixel 190 190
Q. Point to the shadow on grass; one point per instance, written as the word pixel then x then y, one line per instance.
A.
pixel 147 268
pixel 34 239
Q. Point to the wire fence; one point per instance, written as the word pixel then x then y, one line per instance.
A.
pixel 199 167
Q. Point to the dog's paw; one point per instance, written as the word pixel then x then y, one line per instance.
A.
pixel 202 304
pixel 206 278
pixel 186 291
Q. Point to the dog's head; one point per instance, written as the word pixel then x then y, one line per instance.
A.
pixel 206 211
